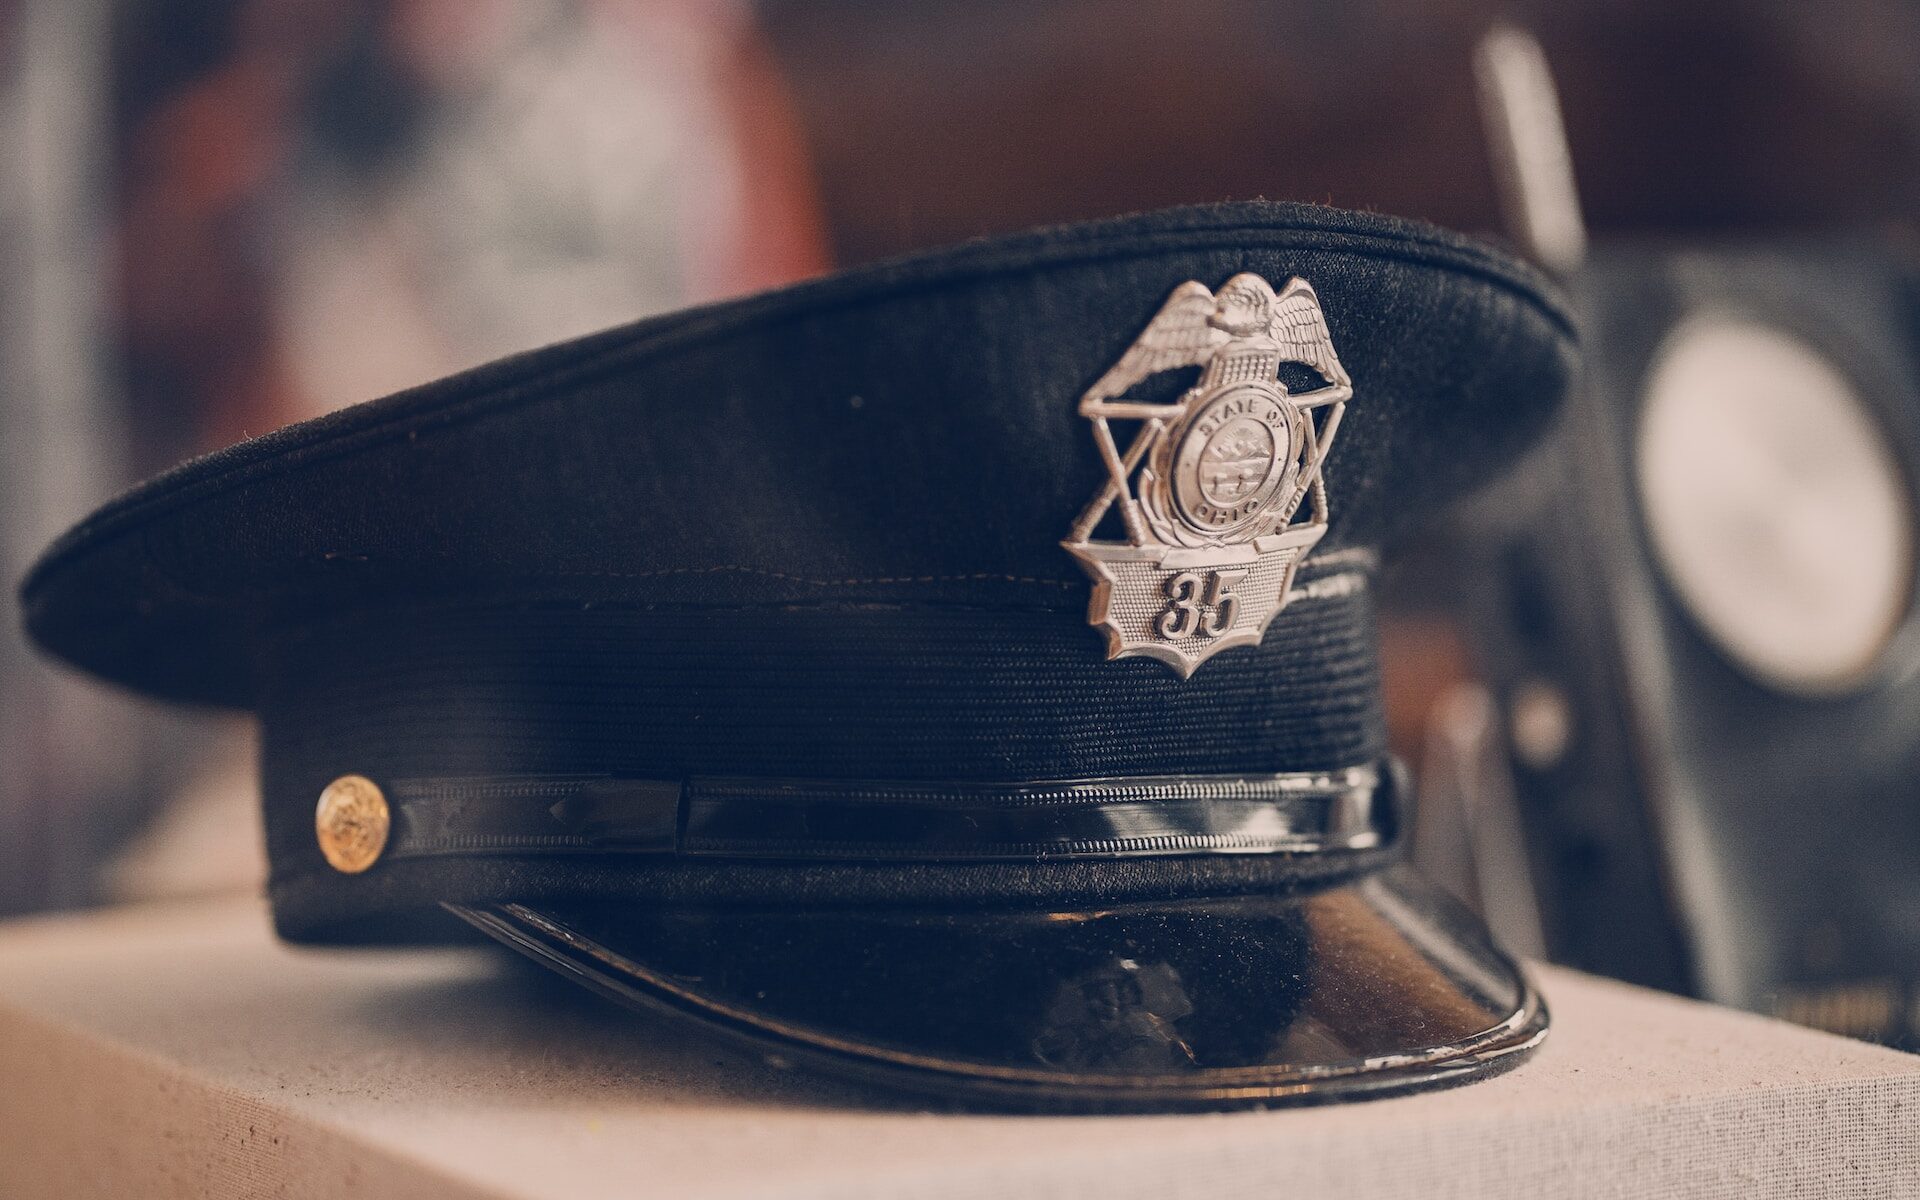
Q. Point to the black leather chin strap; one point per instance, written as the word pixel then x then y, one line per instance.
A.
pixel 853 821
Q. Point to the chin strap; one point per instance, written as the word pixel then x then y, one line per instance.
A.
pixel 854 820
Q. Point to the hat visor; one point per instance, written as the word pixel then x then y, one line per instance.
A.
pixel 1373 986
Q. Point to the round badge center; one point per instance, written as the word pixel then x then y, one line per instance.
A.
pixel 1232 458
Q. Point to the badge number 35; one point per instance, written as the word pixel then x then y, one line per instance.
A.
pixel 1199 604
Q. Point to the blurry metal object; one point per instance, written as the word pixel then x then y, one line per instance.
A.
pixel 1774 504
pixel 1693 603
pixel 1743 706
pixel 1528 144
pixel 1211 545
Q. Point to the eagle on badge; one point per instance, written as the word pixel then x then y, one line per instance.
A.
pixel 1209 491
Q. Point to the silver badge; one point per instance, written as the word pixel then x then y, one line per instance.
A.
pixel 1210 486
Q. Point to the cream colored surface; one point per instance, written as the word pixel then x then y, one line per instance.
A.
pixel 179 1051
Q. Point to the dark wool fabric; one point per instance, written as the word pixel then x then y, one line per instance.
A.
pixel 809 534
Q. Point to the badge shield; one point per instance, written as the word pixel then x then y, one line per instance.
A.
pixel 1209 489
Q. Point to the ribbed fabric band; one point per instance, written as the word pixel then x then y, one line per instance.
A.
pixel 831 690
pixel 933 694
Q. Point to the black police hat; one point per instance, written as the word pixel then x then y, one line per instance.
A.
pixel 958 672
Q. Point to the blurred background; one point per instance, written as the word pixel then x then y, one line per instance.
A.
pixel 219 216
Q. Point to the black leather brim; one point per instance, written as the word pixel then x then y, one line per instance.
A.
pixel 1372 986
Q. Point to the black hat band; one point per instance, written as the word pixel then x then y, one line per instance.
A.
pixel 854 820
pixel 995 732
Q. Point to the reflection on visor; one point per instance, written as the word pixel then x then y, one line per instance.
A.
pixel 1379 984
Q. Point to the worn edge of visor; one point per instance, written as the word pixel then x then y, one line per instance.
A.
pixel 1498 1048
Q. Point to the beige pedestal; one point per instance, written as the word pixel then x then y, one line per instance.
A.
pixel 180 1051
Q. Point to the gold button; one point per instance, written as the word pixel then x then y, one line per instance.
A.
pixel 351 823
